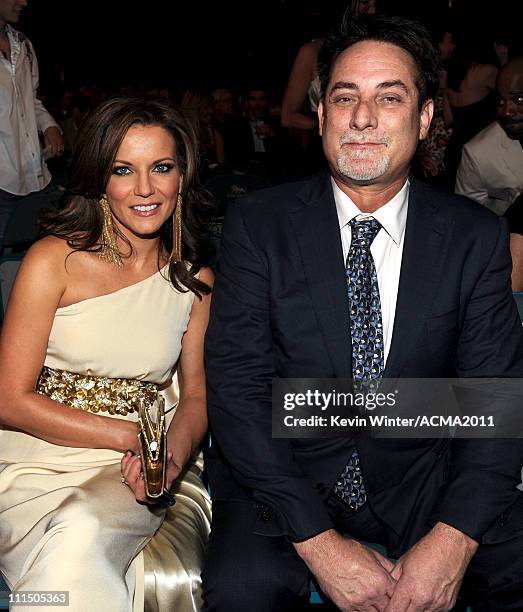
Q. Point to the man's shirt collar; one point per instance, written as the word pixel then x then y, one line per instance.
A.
pixel 392 215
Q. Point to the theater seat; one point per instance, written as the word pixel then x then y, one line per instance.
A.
pixel 519 301
pixel 4 594
pixel 9 265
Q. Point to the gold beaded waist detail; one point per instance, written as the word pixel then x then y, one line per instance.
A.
pixel 95 393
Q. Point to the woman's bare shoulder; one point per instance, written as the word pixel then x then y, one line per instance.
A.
pixel 79 274
pixel 42 277
pixel 48 253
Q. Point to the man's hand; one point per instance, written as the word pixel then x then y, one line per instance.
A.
pixel 354 577
pixel 429 575
pixel 54 143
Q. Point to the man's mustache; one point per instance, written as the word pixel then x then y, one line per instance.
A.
pixel 364 139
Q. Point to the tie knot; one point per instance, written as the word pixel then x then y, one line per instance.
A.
pixel 364 231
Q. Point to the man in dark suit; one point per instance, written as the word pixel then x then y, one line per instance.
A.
pixel 255 141
pixel 304 268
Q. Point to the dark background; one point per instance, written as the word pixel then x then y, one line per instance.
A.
pixel 179 45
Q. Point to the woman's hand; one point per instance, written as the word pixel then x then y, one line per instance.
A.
pixel 133 475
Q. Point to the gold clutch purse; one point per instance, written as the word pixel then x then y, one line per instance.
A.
pixel 153 450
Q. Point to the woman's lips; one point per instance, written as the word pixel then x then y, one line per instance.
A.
pixel 146 210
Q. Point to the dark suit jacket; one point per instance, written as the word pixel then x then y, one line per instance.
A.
pixel 279 309
pixel 239 141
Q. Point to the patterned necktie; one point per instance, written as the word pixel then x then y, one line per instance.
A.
pixel 367 338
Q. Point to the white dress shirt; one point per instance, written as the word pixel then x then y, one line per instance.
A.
pixel 386 249
pixel 22 115
pixel 491 169
pixel 258 139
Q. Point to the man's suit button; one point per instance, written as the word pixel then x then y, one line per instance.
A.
pixel 502 519
pixel 264 513
pixel 321 487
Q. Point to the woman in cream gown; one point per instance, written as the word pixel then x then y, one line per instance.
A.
pixel 105 323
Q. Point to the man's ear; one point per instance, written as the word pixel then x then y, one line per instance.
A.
pixel 425 118
pixel 321 116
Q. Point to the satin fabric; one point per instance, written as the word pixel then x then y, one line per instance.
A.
pixel 174 557
pixel 67 522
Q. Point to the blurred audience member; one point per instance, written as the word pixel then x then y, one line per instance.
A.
pixel 255 140
pixel 302 93
pixel 508 43
pixel 224 116
pixel 491 168
pixel 23 172
pixel 196 103
pixel 222 105
pixel 65 102
pixel 514 217
pixel 93 92
pixel 429 163
pixel 157 93
pixel 300 100
pixel 471 87
pixel 80 106
pixel 502 53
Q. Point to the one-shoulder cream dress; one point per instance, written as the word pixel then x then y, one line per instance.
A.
pixel 67 523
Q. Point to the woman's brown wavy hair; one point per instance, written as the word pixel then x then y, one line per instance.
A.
pixel 80 223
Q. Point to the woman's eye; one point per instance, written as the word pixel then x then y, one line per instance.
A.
pixel 162 168
pixel 121 170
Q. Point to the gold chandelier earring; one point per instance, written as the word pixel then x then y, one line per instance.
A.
pixel 176 253
pixel 109 251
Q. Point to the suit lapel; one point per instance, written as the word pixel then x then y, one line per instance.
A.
pixel 511 155
pixel 426 240
pixel 316 227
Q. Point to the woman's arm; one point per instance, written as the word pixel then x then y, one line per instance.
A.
pixel 189 424
pixel 39 285
pixel 516 250
pixel 302 73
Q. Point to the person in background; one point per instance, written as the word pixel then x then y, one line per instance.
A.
pixel 302 92
pixel 254 141
pixel 471 91
pixel 80 107
pixel 107 311
pixel 222 105
pixel 224 116
pixel 429 163
pixel 24 175
pixel 197 104
pixel 491 167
